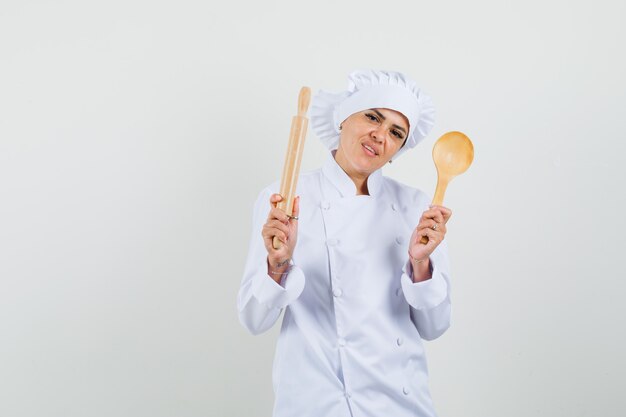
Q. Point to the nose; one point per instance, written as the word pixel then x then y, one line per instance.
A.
pixel 378 134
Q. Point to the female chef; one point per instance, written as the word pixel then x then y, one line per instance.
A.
pixel 358 289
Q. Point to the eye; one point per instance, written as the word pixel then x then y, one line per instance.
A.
pixel 397 134
pixel 372 117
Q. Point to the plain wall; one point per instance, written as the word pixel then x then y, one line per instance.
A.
pixel 135 136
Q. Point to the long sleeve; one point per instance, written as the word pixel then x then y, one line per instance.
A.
pixel 430 300
pixel 261 299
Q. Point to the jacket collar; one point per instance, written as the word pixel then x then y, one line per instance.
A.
pixel 338 177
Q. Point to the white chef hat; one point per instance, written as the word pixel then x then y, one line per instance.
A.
pixel 368 89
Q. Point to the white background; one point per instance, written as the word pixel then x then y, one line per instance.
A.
pixel 135 136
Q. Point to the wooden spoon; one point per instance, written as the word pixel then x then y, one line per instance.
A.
pixel 453 154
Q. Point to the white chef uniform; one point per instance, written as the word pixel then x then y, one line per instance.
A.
pixel 351 337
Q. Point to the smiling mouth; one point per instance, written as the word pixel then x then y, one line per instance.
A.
pixel 369 150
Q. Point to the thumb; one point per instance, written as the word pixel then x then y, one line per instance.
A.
pixel 296 206
pixel 274 199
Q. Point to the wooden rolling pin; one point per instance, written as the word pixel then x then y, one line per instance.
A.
pixel 291 169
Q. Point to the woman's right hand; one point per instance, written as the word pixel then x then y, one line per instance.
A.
pixel 286 229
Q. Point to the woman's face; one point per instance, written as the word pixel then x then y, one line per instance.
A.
pixel 369 139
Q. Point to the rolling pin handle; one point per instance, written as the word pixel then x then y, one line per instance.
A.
pixel 304 98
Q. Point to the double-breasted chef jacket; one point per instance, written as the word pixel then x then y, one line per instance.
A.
pixel 350 344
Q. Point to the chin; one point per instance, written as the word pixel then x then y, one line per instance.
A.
pixel 367 167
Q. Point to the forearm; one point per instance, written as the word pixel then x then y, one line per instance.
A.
pixel 422 270
pixel 277 271
pixel 426 286
pixel 260 300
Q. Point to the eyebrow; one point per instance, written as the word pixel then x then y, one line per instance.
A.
pixel 384 118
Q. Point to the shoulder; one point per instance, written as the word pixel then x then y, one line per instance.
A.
pixel 309 179
pixel 410 202
pixel 307 182
pixel 405 193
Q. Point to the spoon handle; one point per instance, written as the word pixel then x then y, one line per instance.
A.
pixel 440 191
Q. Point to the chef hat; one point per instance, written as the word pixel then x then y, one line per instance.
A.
pixel 368 89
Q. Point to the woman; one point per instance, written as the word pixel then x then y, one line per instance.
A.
pixel 359 290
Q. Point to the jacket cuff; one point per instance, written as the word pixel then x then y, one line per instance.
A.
pixel 425 294
pixel 274 295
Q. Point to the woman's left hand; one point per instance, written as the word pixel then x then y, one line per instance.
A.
pixel 433 225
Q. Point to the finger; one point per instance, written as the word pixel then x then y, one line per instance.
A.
pixel 275 227
pixel 429 224
pixel 296 206
pixel 272 252
pixel 438 226
pixel 276 224
pixel 274 199
pixel 270 232
pixel 419 235
pixel 278 214
pixel 434 238
pixel 445 212
pixel 434 214
pixel 432 225
pixel 268 241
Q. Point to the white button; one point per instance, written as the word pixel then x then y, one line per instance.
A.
pixel 347 394
pixel 337 292
pixel 325 205
pixel 399 240
pixel 332 242
pixel 399 341
pixel 398 291
pixel 405 390
pixel 341 342
pixel 393 207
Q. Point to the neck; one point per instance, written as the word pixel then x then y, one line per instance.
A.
pixel 359 180
pixel 361 187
